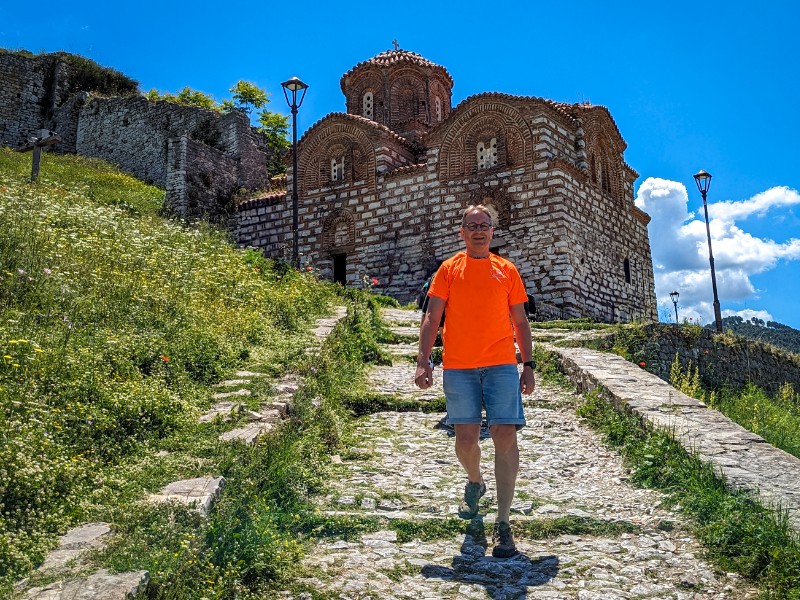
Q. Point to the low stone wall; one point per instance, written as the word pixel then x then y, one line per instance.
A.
pixel 722 360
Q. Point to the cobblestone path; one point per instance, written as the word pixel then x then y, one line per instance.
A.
pixel 403 467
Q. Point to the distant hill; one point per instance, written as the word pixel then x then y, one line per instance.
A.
pixel 771 332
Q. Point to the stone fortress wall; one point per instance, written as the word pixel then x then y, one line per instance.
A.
pixel 201 157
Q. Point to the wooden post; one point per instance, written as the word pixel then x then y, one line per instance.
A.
pixel 37 157
pixel 36 142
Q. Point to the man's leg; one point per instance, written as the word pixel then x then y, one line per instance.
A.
pixel 506 467
pixel 468 450
pixel 462 389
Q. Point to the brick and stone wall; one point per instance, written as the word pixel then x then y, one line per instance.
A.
pixel 569 237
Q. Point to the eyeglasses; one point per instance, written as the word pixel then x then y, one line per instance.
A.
pixel 476 226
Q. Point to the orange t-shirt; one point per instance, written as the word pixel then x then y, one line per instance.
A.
pixel 478 293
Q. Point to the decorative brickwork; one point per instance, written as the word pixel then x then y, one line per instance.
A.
pixel 581 245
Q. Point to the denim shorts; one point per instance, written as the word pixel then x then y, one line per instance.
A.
pixel 494 388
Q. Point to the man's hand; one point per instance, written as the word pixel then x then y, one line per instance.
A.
pixel 427 336
pixel 527 381
pixel 424 375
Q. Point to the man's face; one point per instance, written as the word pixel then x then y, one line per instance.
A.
pixel 477 240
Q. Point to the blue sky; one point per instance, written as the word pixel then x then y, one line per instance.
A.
pixel 691 86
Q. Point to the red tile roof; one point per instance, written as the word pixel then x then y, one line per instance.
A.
pixel 394 57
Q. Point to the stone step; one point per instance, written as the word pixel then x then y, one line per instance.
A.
pixel 248 434
pixel 451 512
pixel 101 585
pixel 325 325
pixel 200 492
pixel 237 394
pixel 73 544
pixel 405 331
pixel 401 315
pixel 248 374
pixel 226 410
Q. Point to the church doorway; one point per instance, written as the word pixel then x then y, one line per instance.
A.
pixel 340 268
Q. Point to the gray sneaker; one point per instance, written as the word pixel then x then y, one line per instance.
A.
pixel 473 492
pixel 504 546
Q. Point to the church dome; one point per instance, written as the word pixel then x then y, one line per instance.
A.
pixel 399 89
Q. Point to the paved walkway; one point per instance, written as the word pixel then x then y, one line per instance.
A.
pixel 403 466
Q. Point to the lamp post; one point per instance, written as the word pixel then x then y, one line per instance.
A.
pixel 703 181
pixel 293 87
pixel 674 297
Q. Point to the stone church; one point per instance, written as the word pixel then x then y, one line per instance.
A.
pixel 383 185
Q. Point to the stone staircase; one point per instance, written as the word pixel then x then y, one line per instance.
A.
pixel 402 472
pixel 67 560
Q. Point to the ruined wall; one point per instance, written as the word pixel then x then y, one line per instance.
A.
pixel 26 95
pixel 34 88
pixel 133 133
pixel 200 180
pixel 151 139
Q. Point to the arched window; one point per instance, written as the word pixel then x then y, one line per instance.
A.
pixel 337 169
pixel 487 154
pixel 438 107
pixel 367 105
pixel 605 177
pixel 341 234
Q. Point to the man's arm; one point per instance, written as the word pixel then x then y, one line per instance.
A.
pixel 427 337
pixel 522 333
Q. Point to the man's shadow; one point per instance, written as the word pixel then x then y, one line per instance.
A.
pixel 501 577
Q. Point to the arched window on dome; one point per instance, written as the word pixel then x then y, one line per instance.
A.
pixel 438 108
pixel 368 105
pixel 487 154
pixel 337 169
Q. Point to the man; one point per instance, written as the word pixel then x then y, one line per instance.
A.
pixel 485 299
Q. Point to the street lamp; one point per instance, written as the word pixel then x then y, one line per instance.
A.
pixel 294 86
pixel 703 181
pixel 674 297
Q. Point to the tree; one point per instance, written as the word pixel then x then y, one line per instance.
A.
pixel 276 128
pixel 192 97
pixel 246 97
pixel 187 96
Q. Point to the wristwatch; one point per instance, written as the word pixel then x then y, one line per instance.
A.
pixel 529 363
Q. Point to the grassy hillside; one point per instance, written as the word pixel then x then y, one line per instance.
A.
pixel 113 322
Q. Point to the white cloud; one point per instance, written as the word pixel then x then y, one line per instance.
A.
pixel 679 246
pixel 757 205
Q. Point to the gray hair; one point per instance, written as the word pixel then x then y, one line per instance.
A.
pixel 487 210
